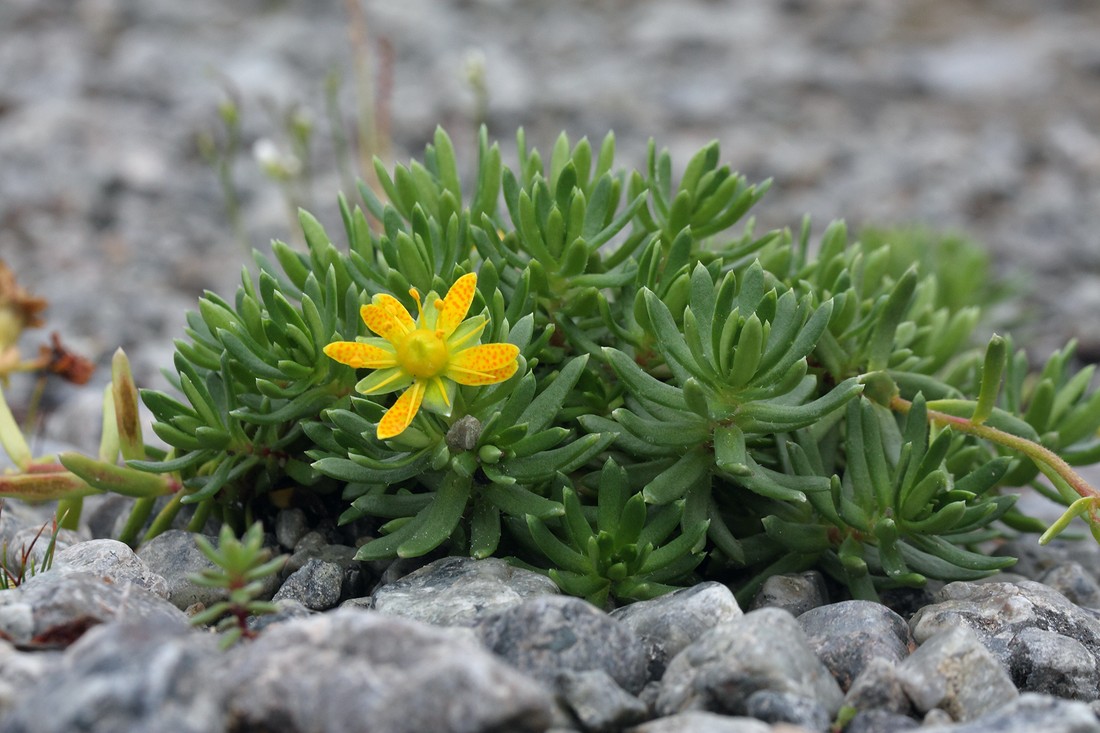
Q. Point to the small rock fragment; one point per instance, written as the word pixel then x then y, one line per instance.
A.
pixel 763 650
pixel 600 705
pixel 848 635
pixel 1046 662
pixel 548 635
pixel 794 592
pixel 954 672
pixel 878 688
pixel 1029 713
pixel 457 591
pixel 669 623
pixel 317 585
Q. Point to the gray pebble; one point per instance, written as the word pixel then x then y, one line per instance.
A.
pixel 669 623
pixel 112 561
pixel 32 544
pixel 763 650
pixel 598 703
pixel 174 556
pixel 1029 713
pixel 21 672
pixel 548 635
pixel 125 678
pixel 458 591
pixel 954 672
pixel 878 688
pixel 937 717
pixel 317 585
pixel 1047 662
pixel 879 721
pixel 333 672
pixel 55 608
pixel 1078 585
pixel 997 612
pixel 795 592
pixel 783 707
pixel 848 635
pixel 697 721
pixel 314 546
pixel 290 527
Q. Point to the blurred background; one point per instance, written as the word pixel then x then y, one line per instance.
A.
pixel 146 145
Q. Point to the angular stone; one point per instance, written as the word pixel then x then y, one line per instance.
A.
pixel 290 527
pixel 1072 580
pixel 35 543
pixel 149 675
pixel 999 611
pixel 21 672
pixel 333 672
pixel 878 688
pixel 1030 713
pixel 879 721
pixel 848 635
pixel 796 593
pixel 669 623
pixel 112 561
pixel 763 650
pixel 955 672
pixel 174 556
pixel 783 707
pixel 316 585
pixel 342 555
pixel 548 635
pixel 56 608
pixel 1046 662
pixel 598 703
pixel 458 591
pixel 696 721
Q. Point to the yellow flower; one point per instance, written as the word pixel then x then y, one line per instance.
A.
pixel 430 356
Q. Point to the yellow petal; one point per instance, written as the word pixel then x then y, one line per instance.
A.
pixel 492 377
pixel 483 364
pixel 360 356
pixel 393 306
pixel 398 417
pixel 457 303
pixel 382 322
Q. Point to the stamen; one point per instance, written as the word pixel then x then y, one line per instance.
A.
pixel 419 306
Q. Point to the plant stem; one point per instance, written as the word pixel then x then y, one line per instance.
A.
pixel 1036 452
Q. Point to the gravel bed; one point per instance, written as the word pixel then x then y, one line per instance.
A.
pixel 101 642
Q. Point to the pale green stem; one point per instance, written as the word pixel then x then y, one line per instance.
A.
pixel 1038 453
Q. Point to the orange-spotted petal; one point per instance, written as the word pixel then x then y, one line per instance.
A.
pixel 495 375
pixel 483 364
pixel 394 307
pixel 490 377
pixel 398 417
pixel 360 356
pixel 382 322
pixel 457 303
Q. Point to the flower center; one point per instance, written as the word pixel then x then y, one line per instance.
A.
pixel 423 353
